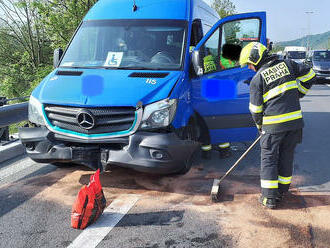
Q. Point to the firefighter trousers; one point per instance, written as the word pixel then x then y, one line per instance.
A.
pixel 277 153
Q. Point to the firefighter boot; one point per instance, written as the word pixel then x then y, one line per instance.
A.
pixel 206 151
pixel 224 150
pixel 268 202
pixel 279 197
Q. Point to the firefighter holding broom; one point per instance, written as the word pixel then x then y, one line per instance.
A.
pixel 274 104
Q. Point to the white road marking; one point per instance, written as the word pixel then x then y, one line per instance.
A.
pixel 15 168
pixel 328 85
pixel 95 233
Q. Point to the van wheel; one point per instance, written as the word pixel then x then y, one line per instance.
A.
pixel 187 165
pixel 190 132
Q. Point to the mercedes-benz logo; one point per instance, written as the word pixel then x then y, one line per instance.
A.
pixel 85 119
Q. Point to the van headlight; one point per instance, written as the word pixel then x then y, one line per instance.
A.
pixel 159 114
pixel 35 112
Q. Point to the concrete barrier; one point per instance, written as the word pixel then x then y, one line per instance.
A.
pixel 11 150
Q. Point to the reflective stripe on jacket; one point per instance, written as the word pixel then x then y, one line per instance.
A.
pixel 275 91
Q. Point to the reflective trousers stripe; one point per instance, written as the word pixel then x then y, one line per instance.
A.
pixel 224 145
pixel 284 180
pixel 307 77
pixel 255 109
pixel 267 120
pixel 279 90
pixel 206 148
pixel 269 184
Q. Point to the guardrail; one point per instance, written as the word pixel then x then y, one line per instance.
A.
pixel 14 113
pixel 10 114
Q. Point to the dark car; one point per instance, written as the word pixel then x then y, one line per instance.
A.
pixel 320 60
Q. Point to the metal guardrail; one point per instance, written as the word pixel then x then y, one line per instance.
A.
pixel 14 113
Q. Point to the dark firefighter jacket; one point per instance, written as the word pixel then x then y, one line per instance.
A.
pixel 275 91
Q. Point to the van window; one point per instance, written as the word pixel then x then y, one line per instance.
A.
pixel 128 44
pixel 223 48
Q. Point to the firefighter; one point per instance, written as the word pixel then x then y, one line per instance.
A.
pixel 226 63
pixel 274 104
pixel 222 148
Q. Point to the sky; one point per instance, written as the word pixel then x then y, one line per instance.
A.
pixel 287 19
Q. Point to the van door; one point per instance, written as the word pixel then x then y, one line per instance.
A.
pixel 221 94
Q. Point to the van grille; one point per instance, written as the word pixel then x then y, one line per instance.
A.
pixel 106 119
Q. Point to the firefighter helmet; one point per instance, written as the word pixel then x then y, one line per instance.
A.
pixel 252 53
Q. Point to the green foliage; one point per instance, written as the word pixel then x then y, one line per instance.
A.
pixel 29 32
pixel 317 41
pixel 224 7
pixel 60 18
pixel 277 48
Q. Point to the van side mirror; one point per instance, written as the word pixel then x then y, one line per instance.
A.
pixel 58 52
pixel 195 58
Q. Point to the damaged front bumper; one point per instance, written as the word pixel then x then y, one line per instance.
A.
pixel 159 153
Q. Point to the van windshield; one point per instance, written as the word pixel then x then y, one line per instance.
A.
pixel 321 56
pixel 296 55
pixel 128 44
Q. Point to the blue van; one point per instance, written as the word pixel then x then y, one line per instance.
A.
pixel 138 84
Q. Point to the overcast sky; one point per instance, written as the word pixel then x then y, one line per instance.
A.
pixel 286 19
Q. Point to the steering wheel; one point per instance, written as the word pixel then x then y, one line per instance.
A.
pixel 162 57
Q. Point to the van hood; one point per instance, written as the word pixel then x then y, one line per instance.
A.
pixel 102 87
pixel 299 61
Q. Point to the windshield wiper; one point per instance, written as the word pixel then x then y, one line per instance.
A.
pixel 82 67
pixel 130 68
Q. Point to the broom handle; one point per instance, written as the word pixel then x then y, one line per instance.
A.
pixel 244 154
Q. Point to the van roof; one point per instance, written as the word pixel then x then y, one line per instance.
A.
pixel 295 48
pixel 146 9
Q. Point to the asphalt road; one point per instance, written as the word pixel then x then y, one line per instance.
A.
pixel 146 211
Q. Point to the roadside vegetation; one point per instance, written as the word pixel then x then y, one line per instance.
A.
pixel 31 29
pixel 29 32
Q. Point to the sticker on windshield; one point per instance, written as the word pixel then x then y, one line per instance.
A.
pixel 114 59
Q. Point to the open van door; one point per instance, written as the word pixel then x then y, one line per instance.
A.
pixel 221 89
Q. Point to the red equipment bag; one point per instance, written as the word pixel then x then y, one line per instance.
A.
pixel 89 204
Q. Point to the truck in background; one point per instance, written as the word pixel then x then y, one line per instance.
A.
pixel 125 92
pixel 295 53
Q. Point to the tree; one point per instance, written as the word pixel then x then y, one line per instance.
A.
pixel 61 18
pixel 224 7
pixel 29 31
pixel 24 46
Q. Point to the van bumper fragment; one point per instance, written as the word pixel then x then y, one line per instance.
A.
pixel 158 153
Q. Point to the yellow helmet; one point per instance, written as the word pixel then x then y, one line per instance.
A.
pixel 252 53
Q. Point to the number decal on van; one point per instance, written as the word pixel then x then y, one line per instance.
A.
pixel 151 81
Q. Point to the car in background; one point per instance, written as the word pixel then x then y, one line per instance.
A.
pixel 296 53
pixel 319 60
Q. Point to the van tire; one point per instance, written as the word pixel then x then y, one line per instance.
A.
pixel 187 165
pixel 189 132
